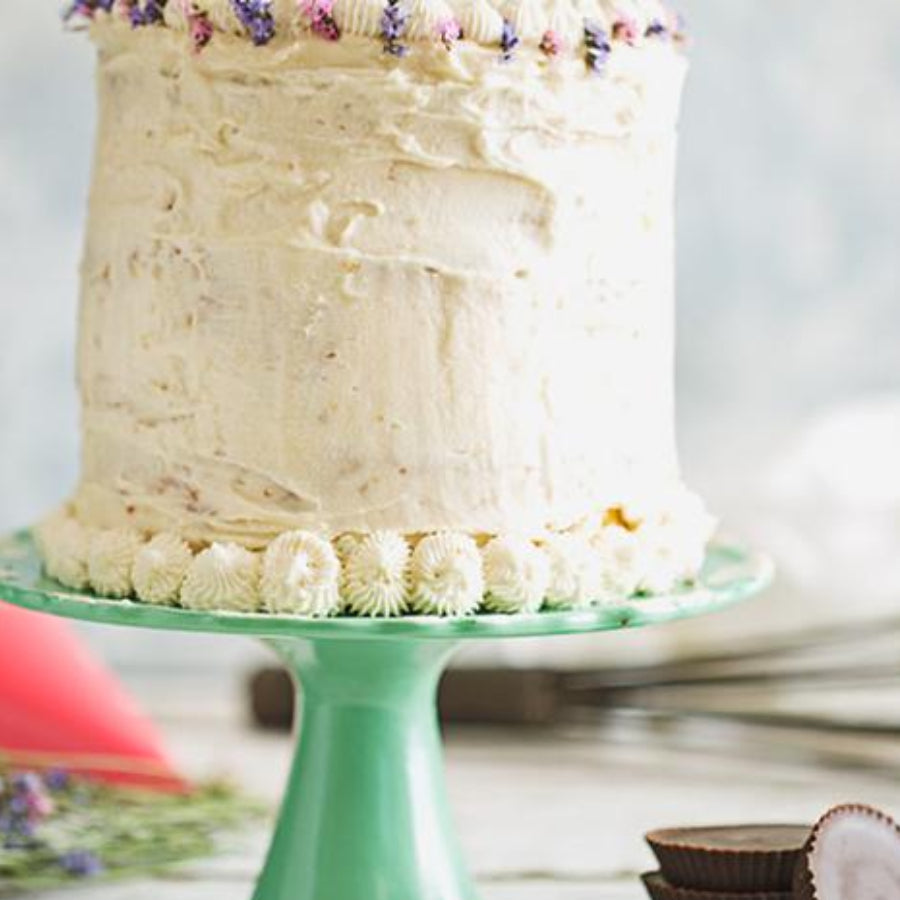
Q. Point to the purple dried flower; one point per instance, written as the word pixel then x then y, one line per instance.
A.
pixel 394 20
pixel 256 17
pixel 57 779
pixel 598 47
pixel 509 40
pixel 81 863
pixel 656 28
pixel 87 8
pixel 150 14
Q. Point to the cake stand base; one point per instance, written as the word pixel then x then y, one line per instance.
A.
pixel 365 813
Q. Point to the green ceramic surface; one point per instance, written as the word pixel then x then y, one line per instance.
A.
pixel 365 814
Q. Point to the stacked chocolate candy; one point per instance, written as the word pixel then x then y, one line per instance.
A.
pixel 852 853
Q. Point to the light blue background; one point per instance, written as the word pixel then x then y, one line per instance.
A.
pixel 789 241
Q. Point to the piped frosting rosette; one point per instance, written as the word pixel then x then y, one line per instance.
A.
pixel 635 550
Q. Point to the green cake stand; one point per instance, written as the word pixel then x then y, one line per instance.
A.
pixel 365 813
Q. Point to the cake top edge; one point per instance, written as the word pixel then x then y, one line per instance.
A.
pixel 589 28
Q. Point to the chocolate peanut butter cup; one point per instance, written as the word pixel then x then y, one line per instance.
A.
pixel 660 889
pixel 853 853
pixel 739 859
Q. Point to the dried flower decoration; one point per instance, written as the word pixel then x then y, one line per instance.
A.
pixel 657 29
pixel 256 17
pixel 150 14
pixel 394 21
pixel 625 29
pixel 200 28
pixel 87 9
pixel 509 40
pixel 449 31
pixel 551 43
pixel 320 15
pixel 598 48
pixel 679 28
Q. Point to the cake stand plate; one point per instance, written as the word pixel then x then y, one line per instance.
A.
pixel 365 813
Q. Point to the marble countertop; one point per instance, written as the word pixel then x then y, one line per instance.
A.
pixel 544 815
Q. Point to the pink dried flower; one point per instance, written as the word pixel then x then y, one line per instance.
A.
pixel 551 43
pixel 200 28
pixel 449 31
pixel 625 29
pixel 319 13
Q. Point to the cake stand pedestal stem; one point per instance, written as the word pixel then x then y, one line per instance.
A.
pixel 365 814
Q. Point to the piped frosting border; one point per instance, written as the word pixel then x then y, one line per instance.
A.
pixel 634 551
pixel 593 29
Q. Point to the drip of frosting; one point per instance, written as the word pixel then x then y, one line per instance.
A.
pixel 64 544
pixel 111 557
pixel 516 576
pixel 576 572
pixel 376 575
pixel 225 576
pixel 446 573
pixel 301 575
pixel 160 568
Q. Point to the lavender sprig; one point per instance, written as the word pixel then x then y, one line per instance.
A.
pixel 256 17
pixel 150 14
pixel 87 9
pixel 656 28
pixel 598 47
pixel 81 864
pixel 394 21
pixel 509 40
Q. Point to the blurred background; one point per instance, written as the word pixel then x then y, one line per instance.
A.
pixel 789 356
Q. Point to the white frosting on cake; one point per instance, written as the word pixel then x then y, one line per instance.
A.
pixel 160 568
pixel 111 556
pixel 446 575
pixel 224 576
pixel 301 575
pixel 576 572
pixel 376 575
pixel 329 290
pixel 516 576
pixel 63 544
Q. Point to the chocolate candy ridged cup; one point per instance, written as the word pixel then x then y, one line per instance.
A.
pixel 737 859
pixel 853 852
pixel 660 889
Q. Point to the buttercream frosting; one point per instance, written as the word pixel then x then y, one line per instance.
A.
pixel 63 544
pixel 576 572
pixel 516 575
pixel 376 575
pixel 446 575
pixel 223 577
pixel 111 556
pixel 409 348
pixel 301 576
pixel 160 568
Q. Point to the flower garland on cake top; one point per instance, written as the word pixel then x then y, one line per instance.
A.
pixel 631 552
pixel 255 18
